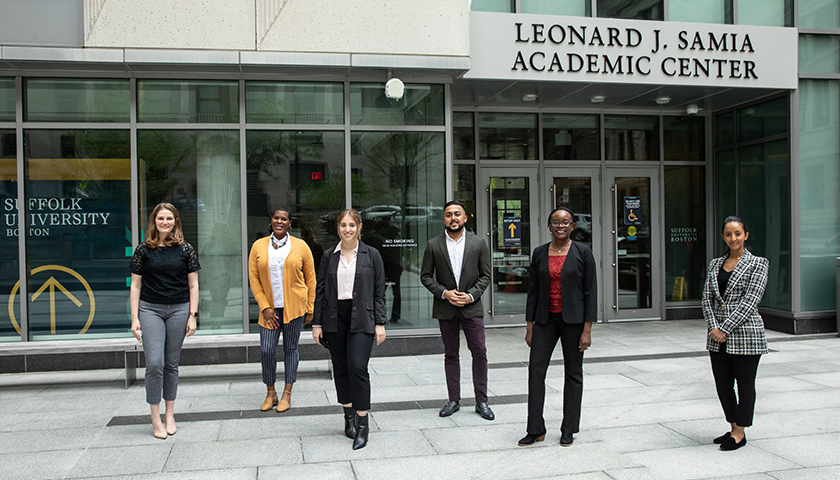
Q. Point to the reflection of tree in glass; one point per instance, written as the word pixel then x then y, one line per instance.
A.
pixel 97 155
pixel 161 154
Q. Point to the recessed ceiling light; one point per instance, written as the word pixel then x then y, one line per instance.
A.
pixel 663 100
pixel 529 97
pixel 597 98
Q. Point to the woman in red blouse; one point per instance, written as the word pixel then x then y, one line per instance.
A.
pixel 562 304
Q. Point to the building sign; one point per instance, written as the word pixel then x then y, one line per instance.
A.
pixel 683 234
pixel 512 228
pixel 602 50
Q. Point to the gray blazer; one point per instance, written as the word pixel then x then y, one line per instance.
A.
pixel 437 275
pixel 736 312
pixel 368 291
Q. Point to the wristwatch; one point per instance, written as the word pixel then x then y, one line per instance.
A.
pixel 194 314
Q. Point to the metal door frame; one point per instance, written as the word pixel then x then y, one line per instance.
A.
pixel 610 269
pixel 483 223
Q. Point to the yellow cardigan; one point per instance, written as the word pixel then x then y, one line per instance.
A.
pixel 298 279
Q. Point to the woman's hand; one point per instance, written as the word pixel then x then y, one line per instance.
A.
pixel 135 329
pixel 317 334
pixel 529 332
pixel 717 335
pixel 271 320
pixel 585 340
pixel 379 333
pixel 191 326
pixel 307 319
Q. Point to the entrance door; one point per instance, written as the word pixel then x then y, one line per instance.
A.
pixel 633 289
pixel 510 198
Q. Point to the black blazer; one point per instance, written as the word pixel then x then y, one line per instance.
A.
pixel 437 275
pixel 578 287
pixel 368 291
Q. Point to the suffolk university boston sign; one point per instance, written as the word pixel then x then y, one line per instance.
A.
pixel 582 49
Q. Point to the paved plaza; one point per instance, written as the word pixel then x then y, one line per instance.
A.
pixel 649 411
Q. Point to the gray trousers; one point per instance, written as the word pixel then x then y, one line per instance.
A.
pixel 164 328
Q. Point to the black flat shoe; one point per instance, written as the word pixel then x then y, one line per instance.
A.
pixel 566 439
pixel 531 439
pixel 484 410
pixel 449 409
pixel 722 438
pixel 731 444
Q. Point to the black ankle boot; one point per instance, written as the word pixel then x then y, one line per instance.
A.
pixel 350 422
pixel 361 432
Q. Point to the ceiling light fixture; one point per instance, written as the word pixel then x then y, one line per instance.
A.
pixel 663 100
pixel 597 98
pixel 529 97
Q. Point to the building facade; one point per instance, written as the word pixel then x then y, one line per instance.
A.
pixel 652 120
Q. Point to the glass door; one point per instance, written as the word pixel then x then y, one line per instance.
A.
pixel 577 189
pixel 633 284
pixel 510 197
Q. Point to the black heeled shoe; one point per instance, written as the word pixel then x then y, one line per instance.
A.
pixel 722 438
pixel 349 422
pixel 730 444
pixel 566 439
pixel 531 439
pixel 362 429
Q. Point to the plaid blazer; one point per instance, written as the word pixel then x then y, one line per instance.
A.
pixel 736 312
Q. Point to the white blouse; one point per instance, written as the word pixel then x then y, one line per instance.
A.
pixel 346 273
pixel 276 263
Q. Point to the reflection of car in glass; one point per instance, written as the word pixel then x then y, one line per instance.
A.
pixel 190 204
pixel 583 227
pixel 423 215
pixel 381 211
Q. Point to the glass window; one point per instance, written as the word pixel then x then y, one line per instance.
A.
pixel 706 11
pixel 463 135
pixel 764 198
pixel 635 9
pixel 819 169
pixel 823 14
pixel 78 203
pixel 819 53
pixel 74 100
pixel 465 191
pixel 763 120
pixel 575 8
pixel 571 137
pixel 685 229
pixel 768 13
pixel 401 192
pixel 507 136
pixel 198 172
pixel 504 6
pixel 294 102
pixel 684 138
pixel 631 137
pixel 725 188
pixel 9 264
pixel 303 171
pixel 165 101
pixel 725 129
pixel 7 99
pixel 421 105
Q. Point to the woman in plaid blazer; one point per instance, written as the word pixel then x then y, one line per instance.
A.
pixel 736 340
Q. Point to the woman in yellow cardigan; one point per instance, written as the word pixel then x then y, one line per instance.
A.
pixel 282 276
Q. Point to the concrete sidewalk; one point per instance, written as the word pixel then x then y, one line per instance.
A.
pixel 650 411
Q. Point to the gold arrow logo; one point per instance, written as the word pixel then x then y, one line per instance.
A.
pixel 52 283
pixel 512 228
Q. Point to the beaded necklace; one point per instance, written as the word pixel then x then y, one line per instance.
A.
pixel 278 243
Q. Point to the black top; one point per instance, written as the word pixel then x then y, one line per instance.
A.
pixel 723 279
pixel 164 271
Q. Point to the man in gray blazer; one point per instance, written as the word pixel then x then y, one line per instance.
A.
pixel 456 269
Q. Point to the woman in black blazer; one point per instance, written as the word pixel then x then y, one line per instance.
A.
pixel 349 317
pixel 562 304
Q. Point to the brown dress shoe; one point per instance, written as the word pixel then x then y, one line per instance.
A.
pixel 269 403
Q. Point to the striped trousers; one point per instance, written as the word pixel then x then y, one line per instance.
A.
pixel 269 339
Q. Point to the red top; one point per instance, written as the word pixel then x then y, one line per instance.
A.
pixel 555 266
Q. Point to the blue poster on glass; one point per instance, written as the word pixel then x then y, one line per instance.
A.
pixel 512 231
pixel 632 210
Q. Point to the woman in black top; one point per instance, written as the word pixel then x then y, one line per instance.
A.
pixel 164 307
pixel 349 318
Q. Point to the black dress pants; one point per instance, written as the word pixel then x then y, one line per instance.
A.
pixel 543 341
pixel 727 369
pixel 350 353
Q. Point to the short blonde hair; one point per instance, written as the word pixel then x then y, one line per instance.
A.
pixel 175 238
